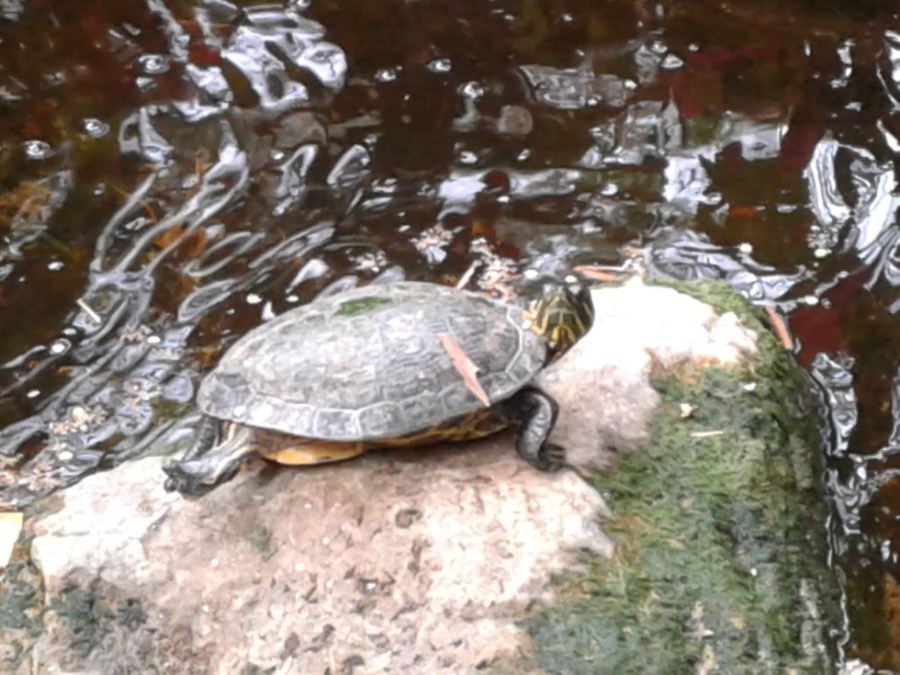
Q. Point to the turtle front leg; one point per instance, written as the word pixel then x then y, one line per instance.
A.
pixel 535 412
pixel 208 464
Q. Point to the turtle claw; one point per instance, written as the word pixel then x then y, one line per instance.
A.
pixel 579 471
pixel 194 478
pixel 551 457
pixel 535 413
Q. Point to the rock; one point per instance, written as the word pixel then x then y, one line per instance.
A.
pixel 603 383
pixel 720 561
pixel 404 561
pixel 400 562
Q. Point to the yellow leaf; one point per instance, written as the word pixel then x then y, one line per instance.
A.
pixel 10 527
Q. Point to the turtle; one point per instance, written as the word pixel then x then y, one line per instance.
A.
pixel 373 367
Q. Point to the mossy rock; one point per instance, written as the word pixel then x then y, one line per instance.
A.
pixel 718 524
pixel 21 606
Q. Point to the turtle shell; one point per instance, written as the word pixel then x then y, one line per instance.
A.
pixel 369 364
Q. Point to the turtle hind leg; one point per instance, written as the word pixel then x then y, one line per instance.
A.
pixel 204 438
pixel 535 413
pixel 211 460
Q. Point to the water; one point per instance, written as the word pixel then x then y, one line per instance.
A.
pixel 172 174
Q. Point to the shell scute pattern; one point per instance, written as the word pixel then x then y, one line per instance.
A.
pixel 455 398
pixel 261 414
pixel 380 420
pixel 417 409
pixel 368 363
pixel 301 416
pixel 330 423
pixel 222 394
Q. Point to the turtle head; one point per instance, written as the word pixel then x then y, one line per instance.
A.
pixel 562 314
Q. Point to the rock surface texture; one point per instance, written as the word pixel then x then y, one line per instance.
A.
pixel 413 561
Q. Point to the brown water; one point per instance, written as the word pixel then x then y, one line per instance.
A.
pixel 172 174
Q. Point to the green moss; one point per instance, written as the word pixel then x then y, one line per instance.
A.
pixel 21 599
pixel 721 297
pixel 718 529
pixel 361 306
pixel 83 616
